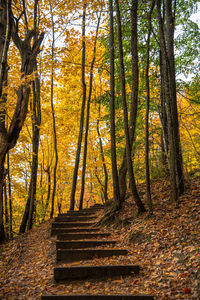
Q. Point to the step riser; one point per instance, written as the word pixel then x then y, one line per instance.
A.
pixel 83 212
pixel 74 219
pixel 82 244
pixel 71 225
pixel 81 236
pixel 91 209
pixel 56 231
pixel 77 255
pixel 77 213
pixel 93 272
pixel 98 297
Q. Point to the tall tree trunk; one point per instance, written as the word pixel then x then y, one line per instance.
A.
pixel 28 52
pixel 133 188
pixel 105 188
pixel 10 197
pixel 48 190
pixel 35 144
pixel 47 170
pixel 148 184
pixel 88 119
pixel 2 231
pixel 134 97
pixel 170 20
pixel 36 122
pixel 5 35
pixel 6 210
pixel 53 116
pixel 163 120
pixel 115 178
pixel 41 185
pixel 167 56
pixel 78 151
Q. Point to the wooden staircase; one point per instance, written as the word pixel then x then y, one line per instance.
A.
pixel 77 240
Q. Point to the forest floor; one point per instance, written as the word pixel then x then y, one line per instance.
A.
pixel 166 246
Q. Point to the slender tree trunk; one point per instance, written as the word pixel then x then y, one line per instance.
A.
pixel 10 197
pixel 148 183
pixel 167 56
pixel 163 120
pixel 35 142
pixel 115 178
pixel 170 20
pixel 41 184
pixel 6 210
pixel 134 97
pixel 47 170
pixel 166 88
pixel 88 119
pixel 5 35
pixel 78 151
pixel 105 188
pixel 133 188
pixel 53 117
pixel 2 231
pixel 48 191
pixel 36 122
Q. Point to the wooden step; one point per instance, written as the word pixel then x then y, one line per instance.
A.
pixel 81 236
pixel 99 297
pixel 93 208
pixel 77 213
pixel 90 272
pixel 77 255
pixel 82 244
pixel 74 218
pixel 87 210
pixel 72 224
pixel 55 231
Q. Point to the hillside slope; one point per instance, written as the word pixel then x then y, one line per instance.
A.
pixel 166 247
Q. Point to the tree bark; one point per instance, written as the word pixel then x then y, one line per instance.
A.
pixel 163 120
pixel 47 170
pixel 35 144
pixel 48 190
pixel 170 19
pixel 148 182
pixel 10 197
pixel 105 188
pixel 169 82
pixel 134 97
pixel 6 210
pixel 5 35
pixel 133 188
pixel 53 117
pixel 36 122
pixel 78 151
pixel 116 191
pixel 2 231
pixel 88 119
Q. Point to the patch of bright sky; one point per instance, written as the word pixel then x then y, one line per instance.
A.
pixel 196 17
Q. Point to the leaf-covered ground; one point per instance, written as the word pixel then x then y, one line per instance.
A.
pixel 166 247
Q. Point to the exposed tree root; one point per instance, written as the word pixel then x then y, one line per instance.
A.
pixel 111 215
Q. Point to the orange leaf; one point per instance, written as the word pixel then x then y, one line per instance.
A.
pixel 187 290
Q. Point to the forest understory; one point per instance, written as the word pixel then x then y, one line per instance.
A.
pixel 166 246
